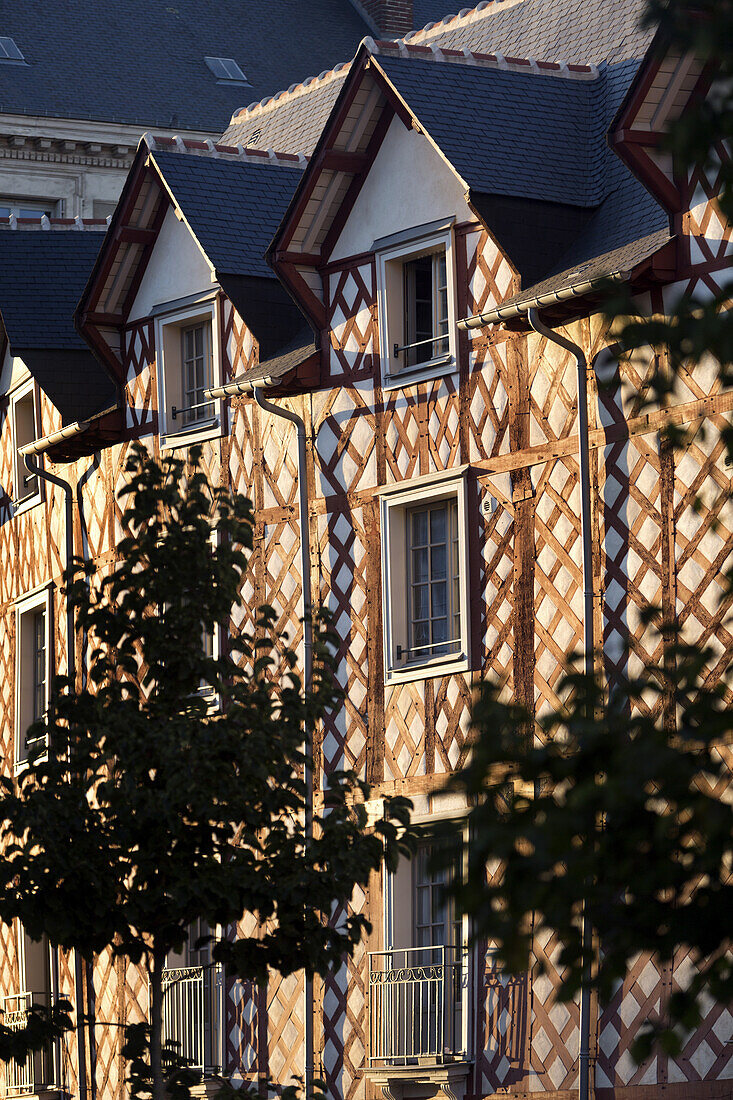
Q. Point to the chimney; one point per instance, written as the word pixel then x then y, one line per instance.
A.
pixel 393 17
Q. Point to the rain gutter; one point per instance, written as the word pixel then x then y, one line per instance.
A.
pixel 46 442
pixel 523 307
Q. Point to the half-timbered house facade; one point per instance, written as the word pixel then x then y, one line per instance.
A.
pixel 412 276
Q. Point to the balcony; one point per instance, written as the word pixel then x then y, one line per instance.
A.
pixel 36 1073
pixel 417 1011
pixel 193 1004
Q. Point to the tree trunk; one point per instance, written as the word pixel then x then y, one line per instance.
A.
pixel 156 1022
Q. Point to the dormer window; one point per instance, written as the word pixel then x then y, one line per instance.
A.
pixel 417 311
pixel 226 70
pixel 188 364
pixel 9 52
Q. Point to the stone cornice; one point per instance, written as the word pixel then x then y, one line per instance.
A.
pixel 76 141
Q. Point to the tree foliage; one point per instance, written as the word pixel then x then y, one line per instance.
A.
pixel 622 805
pixel 174 785
pixel 607 812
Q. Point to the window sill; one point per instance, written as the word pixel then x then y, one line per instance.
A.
pixel 436 368
pixel 25 504
pixel 211 698
pixel 21 765
pixel 439 666
pixel 186 437
pixel 40 1092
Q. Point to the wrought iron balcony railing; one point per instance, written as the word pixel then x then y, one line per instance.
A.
pixel 417 1005
pixel 36 1074
pixel 193 1005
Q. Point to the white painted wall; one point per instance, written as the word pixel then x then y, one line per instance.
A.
pixel 176 269
pixel 14 372
pixel 409 184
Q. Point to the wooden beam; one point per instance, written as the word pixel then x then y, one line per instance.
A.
pixel 112 319
pixel 303 294
pixel 346 206
pixel 132 235
pixel 305 259
pixel 646 138
pixel 337 161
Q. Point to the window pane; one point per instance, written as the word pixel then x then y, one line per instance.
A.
pixel 437 524
pixel 439 601
pixel 433 912
pixel 39 665
pixel 419 528
pixel 438 561
pixel 425 308
pixel 433 594
pixel 420 564
pixel 441 272
pixel 423 905
pixel 420 601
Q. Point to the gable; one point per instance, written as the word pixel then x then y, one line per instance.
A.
pixel 176 269
pixel 408 184
pixel 13 371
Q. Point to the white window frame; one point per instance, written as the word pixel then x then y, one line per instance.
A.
pixel 170 321
pixel 399 896
pixel 391 257
pixel 395 504
pixel 25 608
pixel 205 690
pixel 21 500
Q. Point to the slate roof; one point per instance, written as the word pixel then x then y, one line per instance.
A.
pixel 291 124
pixel 428 11
pixel 233 207
pixel 42 275
pixel 537 137
pixel 619 261
pixel 142 61
pixel 291 356
pixel 510 133
pixel 628 226
pixel 524 135
pixel 575 31
pixel 590 32
pixel 628 212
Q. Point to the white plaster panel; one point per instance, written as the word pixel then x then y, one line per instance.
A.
pixel 177 268
pixel 409 184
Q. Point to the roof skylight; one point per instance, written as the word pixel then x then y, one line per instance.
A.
pixel 9 51
pixel 226 70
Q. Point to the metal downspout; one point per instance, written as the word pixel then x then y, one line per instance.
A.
pixel 35 468
pixel 293 418
pixel 85 548
pixel 588 644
